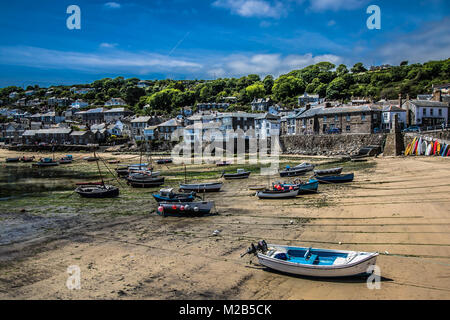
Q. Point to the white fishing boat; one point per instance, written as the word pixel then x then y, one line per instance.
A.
pixel 311 261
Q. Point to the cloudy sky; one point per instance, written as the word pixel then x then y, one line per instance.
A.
pixel 207 39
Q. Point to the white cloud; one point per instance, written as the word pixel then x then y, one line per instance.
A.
pixel 113 61
pixel 263 64
pixel 253 8
pixel 119 62
pixel 108 45
pixel 432 42
pixel 336 5
pixel 113 5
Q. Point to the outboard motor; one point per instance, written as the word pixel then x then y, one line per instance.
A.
pixel 251 250
pixel 262 246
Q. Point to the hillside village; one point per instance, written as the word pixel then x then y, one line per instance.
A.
pixel 145 111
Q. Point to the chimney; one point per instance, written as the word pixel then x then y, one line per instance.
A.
pixel 437 95
pixel 400 100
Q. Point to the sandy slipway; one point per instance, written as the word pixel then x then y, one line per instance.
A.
pixel 396 206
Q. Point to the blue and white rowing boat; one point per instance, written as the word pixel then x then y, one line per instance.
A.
pixel 313 262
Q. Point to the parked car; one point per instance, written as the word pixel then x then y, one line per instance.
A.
pixel 334 131
pixel 412 129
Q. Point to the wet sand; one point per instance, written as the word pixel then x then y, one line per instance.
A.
pixel 399 207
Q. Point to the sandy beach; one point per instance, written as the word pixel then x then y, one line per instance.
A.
pixel 396 206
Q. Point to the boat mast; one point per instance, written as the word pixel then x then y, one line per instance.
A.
pixel 99 171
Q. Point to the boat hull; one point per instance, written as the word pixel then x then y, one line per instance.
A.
pixel 206 187
pixel 336 179
pixel 98 192
pixel 146 183
pixel 360 267
pixel 293 173
pixel 185 209
pixel 267 194
pixel 328 172
pixel 45 164
pixel 310 187
pixel 176 198
pixel 164 161
pixel 235 176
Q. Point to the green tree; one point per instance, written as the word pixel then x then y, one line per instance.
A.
pixel 268 84
pixel 286 87
pixel 335 89
pixel 358 68
pixel 256 90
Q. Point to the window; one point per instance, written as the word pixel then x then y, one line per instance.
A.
pixel 324 119
pixel 363 117
pixel 348 117
pixel 431 111
pixel 347 128
pixel 424 111
pixel 375 116
pixel 336 118
pixel 440 112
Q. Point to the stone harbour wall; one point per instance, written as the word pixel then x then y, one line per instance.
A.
pixel 329 145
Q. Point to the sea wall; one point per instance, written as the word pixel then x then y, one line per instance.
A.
pixel 443 136
pixel 329 145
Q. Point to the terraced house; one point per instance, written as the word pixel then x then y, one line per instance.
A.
pixel 343 119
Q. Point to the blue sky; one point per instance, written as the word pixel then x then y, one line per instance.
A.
pixel 207 39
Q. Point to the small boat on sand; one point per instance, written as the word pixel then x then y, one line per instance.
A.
pixel 202 187
pixel 304 187
pixel 144 174
pixel 182 209
pixel 167 195
pixel 164 161
pixel 241 174
pixel 327 172
pixel 298 170
pixel 278 194
pixel 12 160
pixel 27 159
pixel 148 182
pixel 311 261
pixel 336 178
pixel 46 162
pixel 101 191
pixel 113 161
pixel 223 163
pixel 66 160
